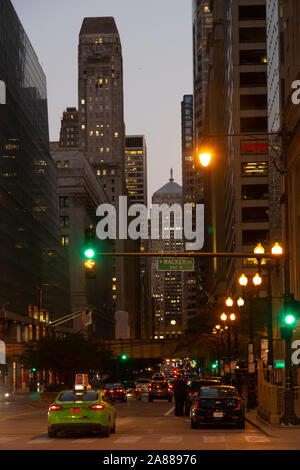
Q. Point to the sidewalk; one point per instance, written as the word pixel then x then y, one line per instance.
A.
pixel 272 430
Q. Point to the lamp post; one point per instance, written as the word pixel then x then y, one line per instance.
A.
pixel 276 250
pixel 251 401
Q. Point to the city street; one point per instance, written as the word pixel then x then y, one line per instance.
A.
pixel 140 426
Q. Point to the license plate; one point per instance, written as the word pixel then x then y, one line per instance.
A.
pixel 218 414
pixel 75 411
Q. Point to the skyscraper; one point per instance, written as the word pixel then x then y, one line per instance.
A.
pixel 167 287
pixel 69 129
pixel 101 120
pixel 32 259
pixel 136 169
pixel 100 101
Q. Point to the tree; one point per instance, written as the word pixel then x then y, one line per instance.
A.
pixel 65 357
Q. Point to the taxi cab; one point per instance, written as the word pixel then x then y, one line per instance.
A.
pixel 81 411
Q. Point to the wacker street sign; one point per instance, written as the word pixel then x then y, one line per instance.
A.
pixel 175 264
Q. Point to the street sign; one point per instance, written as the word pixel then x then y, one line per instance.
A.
pixel 175 264
pixel 279 364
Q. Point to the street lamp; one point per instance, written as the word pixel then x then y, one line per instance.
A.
pixel 205 158
pixel 229 302
pixel 257 280
pixel 243 280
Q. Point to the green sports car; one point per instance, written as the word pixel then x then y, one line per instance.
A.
pixel 81 411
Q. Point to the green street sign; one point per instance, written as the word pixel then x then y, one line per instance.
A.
pixel 279 364
pixel 175 264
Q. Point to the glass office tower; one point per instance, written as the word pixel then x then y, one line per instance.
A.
pixel 31 257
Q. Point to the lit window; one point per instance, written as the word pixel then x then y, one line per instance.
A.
pixel 98 172
pixel 82 101
pixel 82 126
pixel 116 134
pixel 91 132
pixel 65 240
pixel 107 149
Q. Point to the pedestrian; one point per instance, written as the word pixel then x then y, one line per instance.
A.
pixel 180 394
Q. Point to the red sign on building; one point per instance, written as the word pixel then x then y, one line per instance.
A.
pixel 254 146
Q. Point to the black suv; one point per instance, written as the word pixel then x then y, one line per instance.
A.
pixel 159 390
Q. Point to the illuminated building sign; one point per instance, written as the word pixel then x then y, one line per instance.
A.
pixel 254 146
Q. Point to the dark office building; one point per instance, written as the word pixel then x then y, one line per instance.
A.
pixel 69 129
pixel 31 257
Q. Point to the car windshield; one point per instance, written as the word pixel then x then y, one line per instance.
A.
pixel 75 396
pixel 197 384
pixel 217 392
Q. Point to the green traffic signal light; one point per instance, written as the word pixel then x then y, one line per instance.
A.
pixel 124 356
pixel 89 253
pixel 33 369
pixel 289 319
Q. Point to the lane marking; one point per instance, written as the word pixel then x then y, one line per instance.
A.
pixel 5 440
pixel 212 439
pixel 256 439
pixel 169 411
pixel 171 439
pixel 128 440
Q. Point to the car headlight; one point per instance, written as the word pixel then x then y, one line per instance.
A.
pixel 7 395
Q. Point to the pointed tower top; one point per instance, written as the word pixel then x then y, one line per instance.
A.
pixel 171 179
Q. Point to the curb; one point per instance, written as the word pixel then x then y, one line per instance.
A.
pixel 256 425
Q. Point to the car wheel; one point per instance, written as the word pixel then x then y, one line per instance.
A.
pixel 52 433
pixel 241 424
pixel 106 431
pixel 194 425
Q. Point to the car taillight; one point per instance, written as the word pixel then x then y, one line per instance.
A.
pixel 55 408
pixel 192 394
pixel 119 390
pixel 238 405
pixel 196 404
pixel 96 407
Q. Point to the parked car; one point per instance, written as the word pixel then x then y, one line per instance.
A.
pixel 194 388
pixel 115 392
pixel 159 390
pixel 132 390
pixel 218 404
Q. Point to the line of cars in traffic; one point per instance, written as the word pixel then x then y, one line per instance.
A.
pixel 208 401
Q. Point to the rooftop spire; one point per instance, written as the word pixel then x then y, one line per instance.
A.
pixel 171 179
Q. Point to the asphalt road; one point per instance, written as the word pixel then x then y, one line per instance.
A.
pixel 140 426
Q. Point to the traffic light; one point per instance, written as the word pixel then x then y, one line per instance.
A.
pixel 124 357
pixel 89 253
pixel 289 319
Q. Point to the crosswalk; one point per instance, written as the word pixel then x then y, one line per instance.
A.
pixel 132 439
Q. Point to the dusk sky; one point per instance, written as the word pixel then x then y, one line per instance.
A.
pixel 156 42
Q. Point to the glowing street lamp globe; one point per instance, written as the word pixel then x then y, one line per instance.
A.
pixel 257 280
pixel 205 158
pixel 243 280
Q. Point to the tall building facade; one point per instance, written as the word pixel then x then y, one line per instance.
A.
pixel 136 169
pixel 101 121
pixel 32 259
pixel 79 195
pixel 291 9
pixel 275 81
pixel 69 129
pixel 247 219
pixel 167 286
pixel 188 193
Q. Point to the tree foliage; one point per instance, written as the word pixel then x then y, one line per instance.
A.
pixel 65 356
